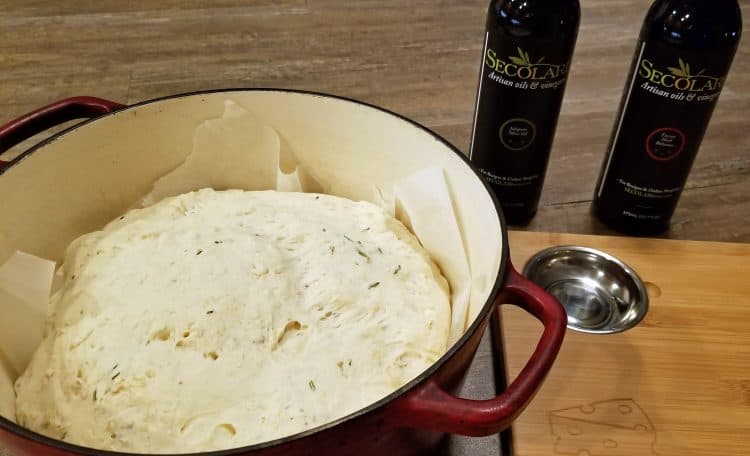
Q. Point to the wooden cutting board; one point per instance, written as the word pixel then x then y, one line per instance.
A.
pixel 677 384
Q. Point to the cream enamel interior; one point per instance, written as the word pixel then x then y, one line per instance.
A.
pixel 87 177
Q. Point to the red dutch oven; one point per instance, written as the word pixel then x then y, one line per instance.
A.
pixel 77 180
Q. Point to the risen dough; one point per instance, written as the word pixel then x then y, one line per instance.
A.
pixel 220 319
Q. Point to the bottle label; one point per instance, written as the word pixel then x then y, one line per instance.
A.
pixel 521 71
pixel 517 134
pixel 678 82
pixel 665 112
pixel 665 143
pixel 520 92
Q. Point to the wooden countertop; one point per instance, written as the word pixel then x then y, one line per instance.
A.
pixel 419 58
pixel 676 384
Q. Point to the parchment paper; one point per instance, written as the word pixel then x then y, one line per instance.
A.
pixel 423 204
pixel 234 151
pixel 25 283
pixel 7 393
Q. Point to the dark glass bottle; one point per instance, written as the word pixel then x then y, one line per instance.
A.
pixel 681 62
pixel 525 61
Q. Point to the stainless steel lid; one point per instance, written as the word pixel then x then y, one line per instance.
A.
pixel 601 294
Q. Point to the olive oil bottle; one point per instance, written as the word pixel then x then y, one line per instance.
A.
pixel 681 62
pixel 528 47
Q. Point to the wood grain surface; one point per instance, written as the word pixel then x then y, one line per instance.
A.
pixel 676 384
pixel 417 57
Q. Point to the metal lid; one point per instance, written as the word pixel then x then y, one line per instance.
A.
pixel 600 293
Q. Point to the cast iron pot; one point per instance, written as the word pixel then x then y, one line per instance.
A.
pixel 77 180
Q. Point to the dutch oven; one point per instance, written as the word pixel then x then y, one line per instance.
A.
pixel 77 180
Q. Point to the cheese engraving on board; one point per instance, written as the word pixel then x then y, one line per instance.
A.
pixel 616 427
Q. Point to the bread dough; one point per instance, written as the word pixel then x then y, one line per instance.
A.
pixel 213 320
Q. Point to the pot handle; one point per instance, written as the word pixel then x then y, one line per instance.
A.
pixel 28 125
pixel 429 406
